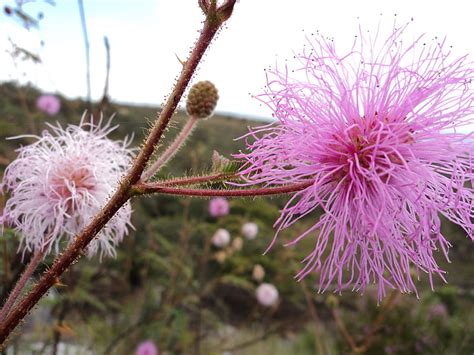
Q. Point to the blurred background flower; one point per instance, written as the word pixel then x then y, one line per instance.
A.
pixel 218 207
pixel 48 104
pixel 249 230
pixel 267 294
pixel 258 272
pixel 221 238
pixel 147 347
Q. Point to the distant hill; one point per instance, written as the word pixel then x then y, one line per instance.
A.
pixel 18 115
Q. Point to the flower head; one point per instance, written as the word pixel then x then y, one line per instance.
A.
pixel 249 230
pixel 202 99
pixel 267 294
pixel 218 207
pixel 221 238
pixel 375 134
pixel 147 348
pixel 61 181
pixel 48 104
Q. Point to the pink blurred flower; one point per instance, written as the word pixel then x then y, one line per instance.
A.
pixel 58 184
pixel 147 348
pixel 376 133
pixel 48 104
pixel 267 294
pixel 437 310
pixel 221 238
pixel 249 230
pixel 218 207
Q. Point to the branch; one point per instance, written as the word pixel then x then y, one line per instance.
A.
pixel 21 283
pixel 144 189
pixel 75 250
pixel 195 180
pixel 170 152
pixel 87 49
pixel 377 324
pixel 105 96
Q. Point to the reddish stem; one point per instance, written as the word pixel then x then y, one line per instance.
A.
pixel 143 189
pixel 342 328
pixel 21 283
pixel 195 180
pixel 214 20
pixel 376 325
pixel 170 152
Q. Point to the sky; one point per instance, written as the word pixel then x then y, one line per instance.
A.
pixel 147 36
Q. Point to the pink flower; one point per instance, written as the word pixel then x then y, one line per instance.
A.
pixel 376 133
pixel 147 348
pixel 218 207
pixel 267 295
pixel 61 181
pixel 48 104
pixel 221 238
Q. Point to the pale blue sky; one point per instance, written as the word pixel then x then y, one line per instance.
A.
pixel 146 36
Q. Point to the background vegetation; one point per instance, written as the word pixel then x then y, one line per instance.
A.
pixel 171 285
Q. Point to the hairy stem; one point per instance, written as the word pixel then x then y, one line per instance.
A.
pixel 214 20
pixel 196 180
pixel 21 283
pixel 144 189
pixel 170 152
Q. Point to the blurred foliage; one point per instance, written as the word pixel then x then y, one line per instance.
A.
pixel 169 284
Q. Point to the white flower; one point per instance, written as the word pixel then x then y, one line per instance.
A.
pixel 249 230
pixel 267 295
pixel 60 182
pixel 221 238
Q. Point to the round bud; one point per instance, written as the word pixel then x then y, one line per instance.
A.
pixel 202 99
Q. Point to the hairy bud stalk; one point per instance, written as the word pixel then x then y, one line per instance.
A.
pixel 202 100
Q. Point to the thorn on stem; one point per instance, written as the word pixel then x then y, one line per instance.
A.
pixel 183 62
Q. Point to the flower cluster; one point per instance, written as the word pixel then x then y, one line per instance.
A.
pixel 376 134
pixel 60 182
